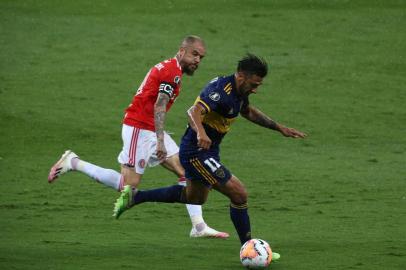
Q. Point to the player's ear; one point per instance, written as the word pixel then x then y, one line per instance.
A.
pixel 240 76
pixel 182 51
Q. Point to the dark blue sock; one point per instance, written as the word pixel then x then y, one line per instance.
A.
pixel 169 194
pixel 241 221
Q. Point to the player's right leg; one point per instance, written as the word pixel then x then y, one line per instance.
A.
pixel 130 177
pixel 138 146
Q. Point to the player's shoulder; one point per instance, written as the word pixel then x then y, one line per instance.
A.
pixel 168 71
pixel 221 84
pixel 171 65
pixel 218 90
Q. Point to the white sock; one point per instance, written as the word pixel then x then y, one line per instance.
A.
pixel 195 211
pixel 108 177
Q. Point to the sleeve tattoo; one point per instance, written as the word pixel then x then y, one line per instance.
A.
pixel 259 118
pixel 159 115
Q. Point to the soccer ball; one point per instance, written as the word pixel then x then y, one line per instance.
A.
pixel 256 254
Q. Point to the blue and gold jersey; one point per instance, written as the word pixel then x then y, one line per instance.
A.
pixel 222 105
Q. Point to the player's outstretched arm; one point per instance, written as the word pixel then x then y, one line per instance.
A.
pixel 159 120
pixel 256 116
pixel 195 115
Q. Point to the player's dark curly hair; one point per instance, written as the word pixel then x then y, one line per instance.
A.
pixel 253 65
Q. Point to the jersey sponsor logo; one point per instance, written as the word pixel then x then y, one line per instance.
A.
pixel 167 89
pixel 159 66
pixel 214 96
pixel 176 80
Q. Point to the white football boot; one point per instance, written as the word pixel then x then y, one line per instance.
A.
pixel 207 232
pixel 63 165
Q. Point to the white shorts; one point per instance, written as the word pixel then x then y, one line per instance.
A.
pixel 139 148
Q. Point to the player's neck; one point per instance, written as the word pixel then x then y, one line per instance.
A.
pixel 238 83
pixel 178 58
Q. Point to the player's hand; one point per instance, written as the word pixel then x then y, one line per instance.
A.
pixel 161 151
pixel 291 132
pixel 203 141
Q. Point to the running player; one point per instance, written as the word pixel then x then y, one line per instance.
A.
pixel 144 140
pixel 218 105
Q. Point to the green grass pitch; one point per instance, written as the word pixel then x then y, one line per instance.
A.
pixel 336 200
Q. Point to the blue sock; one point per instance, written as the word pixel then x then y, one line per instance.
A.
pixel 169 194
pixel 241 221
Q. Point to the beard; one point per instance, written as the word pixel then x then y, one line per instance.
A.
pixel 189 71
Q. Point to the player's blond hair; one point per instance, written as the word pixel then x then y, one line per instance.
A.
pixel 189 40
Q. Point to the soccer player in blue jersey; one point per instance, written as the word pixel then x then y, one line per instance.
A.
pixel 218 105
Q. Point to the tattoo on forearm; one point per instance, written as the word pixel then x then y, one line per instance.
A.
pixel 264 121
pixel 261 119
pixel 159 115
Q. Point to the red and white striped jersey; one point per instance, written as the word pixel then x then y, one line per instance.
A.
pixel 164 77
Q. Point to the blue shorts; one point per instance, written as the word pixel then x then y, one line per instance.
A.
pixel 204 166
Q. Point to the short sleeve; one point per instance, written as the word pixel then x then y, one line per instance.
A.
pixel 210 98
pixel 169 79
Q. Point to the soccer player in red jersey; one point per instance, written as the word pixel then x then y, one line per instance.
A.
pixel 144 140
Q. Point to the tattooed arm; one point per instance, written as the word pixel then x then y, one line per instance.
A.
pixel 159 119
pixel 256 116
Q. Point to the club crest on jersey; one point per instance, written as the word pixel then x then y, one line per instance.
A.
pixel 220 173
pixel 214 96
pixel 141 163
pixel 176 80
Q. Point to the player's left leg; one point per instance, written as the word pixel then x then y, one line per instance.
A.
pixel 199 226
pixel 194 193
pixel 237 193
pixel 235 190
pixel 71 162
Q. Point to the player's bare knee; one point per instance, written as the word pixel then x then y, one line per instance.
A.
pixel 173 164
pixel 239 200
pixel 240 197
